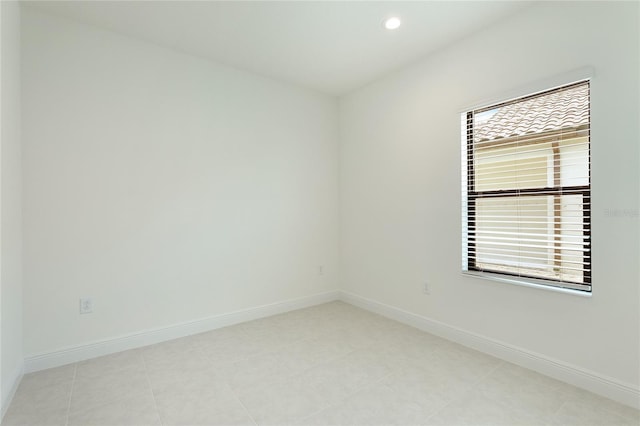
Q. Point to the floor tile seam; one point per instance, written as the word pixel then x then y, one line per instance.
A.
pixel 102 403
pixel 555 414
pixel 199 350
pixel 251 336
pixel 536 413
pixel 213 362
pixel 611 410
pixel 73 383
pixel 153 395
pixel 200 343
pixel 446 405
pixel 275 349
pixel 547 387
pixel 358 390
pixel 619 414
pixel 244 407
pixel 259 385
pixel 476 386
pixel 121 374
pixel 147 353
pixel 304 419
pixel 300 373
pixel 379 381
pixel 284 377
pixel 484 377
pixel 92 377
pixel 215 365
pixel 323 362
pixel 21 387
pixel 246 357
pixel 238 391
pixel 546 417
pixel 363 387
pixel 473 386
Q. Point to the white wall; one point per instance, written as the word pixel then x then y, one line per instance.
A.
pixel 400 186
pixel 10 202
pixel 166 187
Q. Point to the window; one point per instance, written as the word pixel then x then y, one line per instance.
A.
pixel 526 192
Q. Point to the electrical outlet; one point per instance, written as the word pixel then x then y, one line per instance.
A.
pixel 86 305
pixel 426 289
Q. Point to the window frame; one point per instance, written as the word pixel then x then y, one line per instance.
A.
pixel 470 197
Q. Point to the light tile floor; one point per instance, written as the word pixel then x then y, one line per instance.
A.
pixel 331 364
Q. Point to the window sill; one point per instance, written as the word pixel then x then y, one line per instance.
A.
pixel 525 282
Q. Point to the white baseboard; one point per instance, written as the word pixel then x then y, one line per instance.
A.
pixel 14 380
pixel 608 387
pixel 158 335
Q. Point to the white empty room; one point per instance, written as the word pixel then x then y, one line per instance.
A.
pixel 257 213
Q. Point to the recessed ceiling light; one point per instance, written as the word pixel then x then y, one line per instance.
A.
pixel 392 23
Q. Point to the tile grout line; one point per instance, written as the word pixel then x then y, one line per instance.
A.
pixel 299 373
pixel 557 411
pixel 153 395
pixel 615 413
pixel 610 411
pixel 486 376
pixel 553 417
pixel 358 390
pixel 294 374
pixel 466 391
pixel 245 407
pixel 200 348
pixel 522 410
pixel 92 377
pixel 548 418
pixel 73 384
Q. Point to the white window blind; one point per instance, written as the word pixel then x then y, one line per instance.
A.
pixel 526 188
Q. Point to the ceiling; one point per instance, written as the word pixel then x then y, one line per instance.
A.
pixel 330 46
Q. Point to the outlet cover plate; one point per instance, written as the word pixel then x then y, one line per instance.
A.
pixel 86 305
